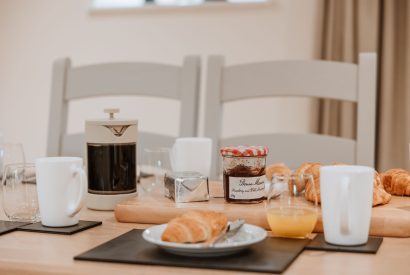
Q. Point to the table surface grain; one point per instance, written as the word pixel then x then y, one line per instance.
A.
pixel 39 253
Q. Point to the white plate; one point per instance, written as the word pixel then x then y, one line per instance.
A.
pixel 246 236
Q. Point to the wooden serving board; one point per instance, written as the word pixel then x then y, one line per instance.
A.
pixel 391 220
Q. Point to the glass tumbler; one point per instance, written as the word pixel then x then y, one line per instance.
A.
pixel 10 153
pixel 288 211
pixel 19 194
pixel 159 163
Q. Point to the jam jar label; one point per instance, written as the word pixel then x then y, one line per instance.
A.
pixel 246 188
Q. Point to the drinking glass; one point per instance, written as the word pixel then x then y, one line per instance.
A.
pixel 288 212
pixel 10 153
pixel 158 164
pixel 19 194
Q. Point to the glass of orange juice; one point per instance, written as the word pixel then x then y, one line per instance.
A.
pixel 288 212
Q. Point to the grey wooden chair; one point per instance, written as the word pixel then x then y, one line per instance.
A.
pixel 145 79
pixel 319 79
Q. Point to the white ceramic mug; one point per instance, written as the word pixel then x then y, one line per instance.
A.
pixel 192 154
pixel 61 189
pixel 346 193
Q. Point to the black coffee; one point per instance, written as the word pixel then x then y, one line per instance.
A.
pixel 111 168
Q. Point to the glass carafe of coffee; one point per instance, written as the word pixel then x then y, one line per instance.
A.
pixel 111 160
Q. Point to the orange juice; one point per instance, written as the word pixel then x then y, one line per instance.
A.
pixel 292 222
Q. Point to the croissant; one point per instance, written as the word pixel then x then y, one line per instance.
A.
pixel 276 168
pixel 312 168
pixel 195 226
pixel 397 182
pixel 380 196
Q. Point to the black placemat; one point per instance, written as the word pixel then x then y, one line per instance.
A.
pixel 319 243
pixel 82 225
pixel 272 255
pixel 8 226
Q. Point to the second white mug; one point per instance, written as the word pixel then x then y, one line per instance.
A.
pixel 192 154
pixel 61 188
pixel 346 194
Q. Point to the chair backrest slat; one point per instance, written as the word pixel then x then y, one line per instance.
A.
pixel 123 79
pixel 322 79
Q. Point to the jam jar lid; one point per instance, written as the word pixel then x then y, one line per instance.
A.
pixel 244 151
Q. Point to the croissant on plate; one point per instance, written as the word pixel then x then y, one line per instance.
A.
pixel 195 226
pixel 397 182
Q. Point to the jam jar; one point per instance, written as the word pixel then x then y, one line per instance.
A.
pixel 243 173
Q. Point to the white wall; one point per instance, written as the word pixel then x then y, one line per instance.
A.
pixel 34 33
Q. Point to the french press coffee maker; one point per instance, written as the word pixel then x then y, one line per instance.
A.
pixel 111 160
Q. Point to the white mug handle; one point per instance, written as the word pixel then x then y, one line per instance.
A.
pixel 344 206
pixel 74 208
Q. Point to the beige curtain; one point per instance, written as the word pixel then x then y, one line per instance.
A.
pixel 394 90
pixel 382 26
pixel 349 27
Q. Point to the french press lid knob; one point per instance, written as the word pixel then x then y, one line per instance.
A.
pixel 111 111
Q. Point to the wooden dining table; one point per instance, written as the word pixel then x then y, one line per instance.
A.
pixel 41 253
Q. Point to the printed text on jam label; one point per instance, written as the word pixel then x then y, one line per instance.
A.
pixel 246 188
